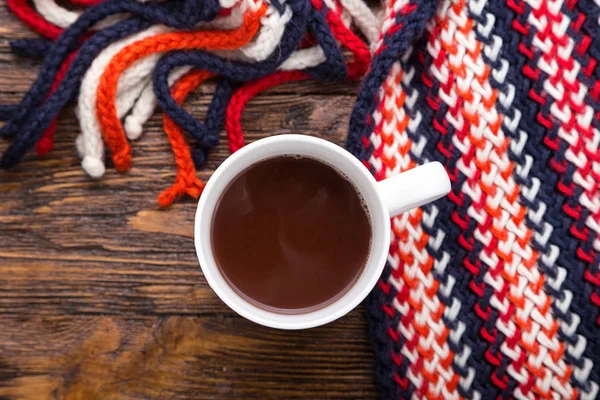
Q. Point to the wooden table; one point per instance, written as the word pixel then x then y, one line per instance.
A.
pixel 101 295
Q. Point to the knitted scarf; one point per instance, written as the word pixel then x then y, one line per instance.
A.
pixel 493 291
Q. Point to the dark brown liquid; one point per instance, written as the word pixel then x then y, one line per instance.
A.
pixel 291 234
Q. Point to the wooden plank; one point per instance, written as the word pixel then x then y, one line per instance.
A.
pixel 102 296
pixel 87 357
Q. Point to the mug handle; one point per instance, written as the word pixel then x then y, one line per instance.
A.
pixel 414 188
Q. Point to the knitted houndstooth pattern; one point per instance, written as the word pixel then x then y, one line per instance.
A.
pixel 493 291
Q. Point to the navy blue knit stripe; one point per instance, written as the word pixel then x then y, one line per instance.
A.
pixel 395 45
pixel 389 364
pixel 213 121
pixel 544 161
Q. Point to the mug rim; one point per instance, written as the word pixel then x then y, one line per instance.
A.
pixel 364 183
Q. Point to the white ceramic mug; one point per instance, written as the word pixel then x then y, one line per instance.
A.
pixel 384 199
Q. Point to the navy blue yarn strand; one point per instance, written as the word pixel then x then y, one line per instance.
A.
pixel 34 48
pixel 229 70
pixel 7 111
pixel 214 120
pixel 278 6
pixel 333 69
pixel 34 126
pixel 176 14
pixel 394 46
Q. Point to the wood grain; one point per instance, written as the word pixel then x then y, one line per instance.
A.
pixel 101 295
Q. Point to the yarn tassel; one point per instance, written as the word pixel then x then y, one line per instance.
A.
pixel 109 123
pixel 186 181
pixel 248 41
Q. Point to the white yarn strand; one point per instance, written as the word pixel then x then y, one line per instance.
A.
pixel 364 19
pixel 55 14
pixel 145 105
pixel 135 85
pixel 267 39
pixel 89 143
pixel 259 49
pixel 125 102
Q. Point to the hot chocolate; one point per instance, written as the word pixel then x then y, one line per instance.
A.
pixel 291 234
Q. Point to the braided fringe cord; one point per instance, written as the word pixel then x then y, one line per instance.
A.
pixel 231 70
pixel 145 105
pixel 32 130
pixel 133 83
pixel 356 69
pixel 265 42
pixel 106 111
pixel 133 87
pixel 185 181
pixel 89 142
